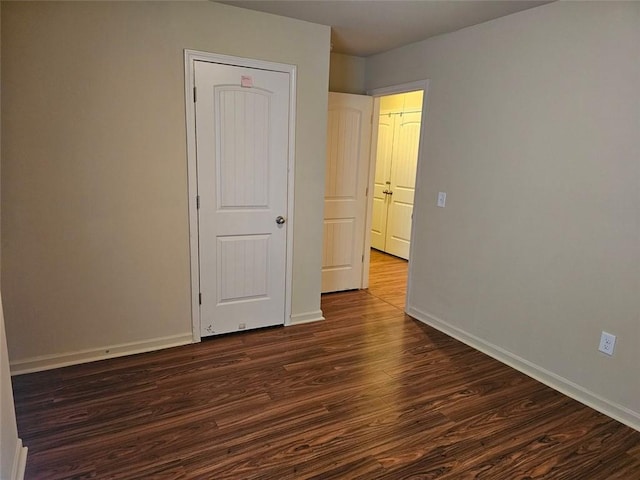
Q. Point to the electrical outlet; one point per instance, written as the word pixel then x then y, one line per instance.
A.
pixel 607 343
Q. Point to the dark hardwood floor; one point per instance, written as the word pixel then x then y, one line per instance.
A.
pixel 388 278
pixel 367 394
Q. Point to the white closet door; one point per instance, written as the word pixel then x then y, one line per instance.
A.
pixel 242 125
pixel 403 179
pixel 348 147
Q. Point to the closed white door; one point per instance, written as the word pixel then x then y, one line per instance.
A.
pixel 348 148
pixel 242 121
pixel 395 178
pixel 403 180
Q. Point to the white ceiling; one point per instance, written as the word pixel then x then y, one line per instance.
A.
pixel 367 27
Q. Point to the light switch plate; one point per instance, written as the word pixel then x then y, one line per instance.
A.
pixel 442 199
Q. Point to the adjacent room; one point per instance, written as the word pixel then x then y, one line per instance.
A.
pixel 209 270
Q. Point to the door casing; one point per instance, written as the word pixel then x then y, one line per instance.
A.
pixel 190 56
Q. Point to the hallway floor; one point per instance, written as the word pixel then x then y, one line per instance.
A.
pixel 388 278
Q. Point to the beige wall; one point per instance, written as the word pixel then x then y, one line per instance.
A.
pixel 95 246
pixel 10 444
pixel 532 129
pixel 346 74
pixel 9 441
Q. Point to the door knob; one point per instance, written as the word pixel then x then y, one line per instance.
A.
pixel 387 192
pixel 280 220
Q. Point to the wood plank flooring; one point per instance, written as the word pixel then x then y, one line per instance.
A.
pixel 388 278
pixel 367 394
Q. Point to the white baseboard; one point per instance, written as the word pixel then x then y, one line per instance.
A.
pixel 307 317
pixel 561 384
pixel 47 362
pixel 19 462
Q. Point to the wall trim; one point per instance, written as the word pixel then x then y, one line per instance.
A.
pixel 48 362
pixel 19 461
pixel 561 384
pixel 401 88
pixel 306 317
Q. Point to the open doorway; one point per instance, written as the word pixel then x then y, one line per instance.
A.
pixel 394 162
pixel 352 186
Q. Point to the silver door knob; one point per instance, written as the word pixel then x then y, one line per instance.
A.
pixel 280 220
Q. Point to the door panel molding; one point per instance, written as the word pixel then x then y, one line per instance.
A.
pixel 190 57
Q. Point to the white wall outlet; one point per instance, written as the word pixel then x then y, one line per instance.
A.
pixel 607 343
pixel 442 199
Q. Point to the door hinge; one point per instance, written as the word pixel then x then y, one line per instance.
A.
pixel 199 299
pixel 363 258
pixel 194 94
pixel 366 192
pixel 198 201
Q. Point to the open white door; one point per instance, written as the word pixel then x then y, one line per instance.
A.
pixel 348 147
pixel 242 128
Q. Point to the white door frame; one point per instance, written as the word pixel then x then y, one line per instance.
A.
pixel 191 56
pixel 379 92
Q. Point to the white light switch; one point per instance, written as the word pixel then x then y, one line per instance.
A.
pixel 442 199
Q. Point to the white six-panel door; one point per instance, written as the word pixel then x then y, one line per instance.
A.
pixel 242 117
pixel 348 147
